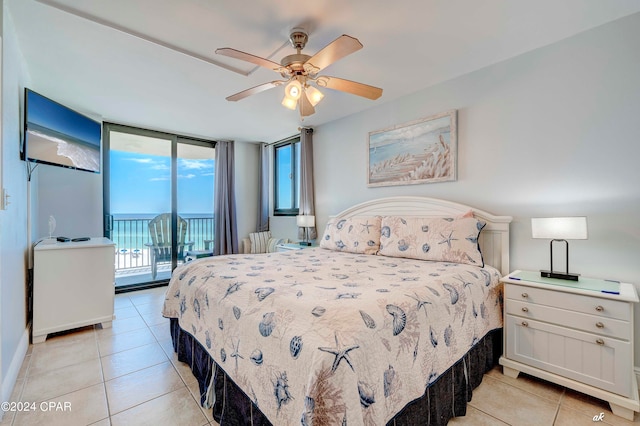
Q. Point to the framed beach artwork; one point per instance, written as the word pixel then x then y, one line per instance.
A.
pixel 421 151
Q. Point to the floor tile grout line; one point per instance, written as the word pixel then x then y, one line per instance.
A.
pixel 488 414
pixel 555 416
pixel 59 368
pixel 106 394
pixel 140 369
pixel 557 403
pixel 70 392
pixel 144 402
pixel 528 391
pixel 127 349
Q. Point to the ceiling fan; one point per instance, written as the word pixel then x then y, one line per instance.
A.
pixel 301 71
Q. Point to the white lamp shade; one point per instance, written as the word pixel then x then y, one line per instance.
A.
pixel 314 95
pixel 306 221
pixel 559 228
pixel 293 90
pixel 289 102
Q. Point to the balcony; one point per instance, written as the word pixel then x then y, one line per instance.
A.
pixel 133 259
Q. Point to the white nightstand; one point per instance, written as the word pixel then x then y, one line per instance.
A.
pixel 291 246
pixel 576 334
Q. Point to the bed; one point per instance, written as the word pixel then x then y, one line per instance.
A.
pixel 373 327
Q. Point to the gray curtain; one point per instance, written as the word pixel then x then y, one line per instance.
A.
pixel 307 204
pixel 225 227
pixel 263 195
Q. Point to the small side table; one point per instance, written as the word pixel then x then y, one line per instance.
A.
pixel 292 246
pixel 191 255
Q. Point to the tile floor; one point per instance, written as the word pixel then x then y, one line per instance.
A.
pixel 129 375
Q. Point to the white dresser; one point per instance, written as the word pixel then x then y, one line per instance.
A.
pixel 575 334
pixel 73 285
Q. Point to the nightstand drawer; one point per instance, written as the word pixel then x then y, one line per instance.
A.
pixel 595 360
pixel 568 301
pixel 609 327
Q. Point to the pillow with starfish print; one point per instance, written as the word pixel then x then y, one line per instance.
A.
pixel 443 239
pixel 359 234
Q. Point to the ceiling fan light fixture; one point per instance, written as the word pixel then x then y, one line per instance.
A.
pixel 314 95
pixel 289 102
pixel 293 90
pixel 300 69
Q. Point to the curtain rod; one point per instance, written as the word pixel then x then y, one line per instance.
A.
pixel 288 138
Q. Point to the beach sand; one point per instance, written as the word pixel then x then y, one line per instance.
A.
pixel 44 149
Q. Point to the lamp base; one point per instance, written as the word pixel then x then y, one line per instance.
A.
pixel 304 243
pixel 560 275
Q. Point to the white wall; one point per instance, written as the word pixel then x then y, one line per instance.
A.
pixel 553 132
pixel 13 220
pixel 73 198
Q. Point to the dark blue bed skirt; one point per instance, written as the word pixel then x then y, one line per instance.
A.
pixel 445 398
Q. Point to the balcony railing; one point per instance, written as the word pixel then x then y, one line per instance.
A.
pixel 131 235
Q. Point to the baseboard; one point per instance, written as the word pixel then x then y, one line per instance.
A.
pixel 9 381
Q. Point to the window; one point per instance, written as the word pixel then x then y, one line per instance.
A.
pixel 287 178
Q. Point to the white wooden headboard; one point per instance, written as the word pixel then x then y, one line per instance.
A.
pixel 494 238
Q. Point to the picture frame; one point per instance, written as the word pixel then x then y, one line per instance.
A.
pixel 420 151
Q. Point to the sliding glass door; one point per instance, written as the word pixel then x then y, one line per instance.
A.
pixel 195 183
pixel 158 201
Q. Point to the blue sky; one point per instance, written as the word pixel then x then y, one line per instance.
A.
pixel 140 184
pixel 284 182
pixel 284 167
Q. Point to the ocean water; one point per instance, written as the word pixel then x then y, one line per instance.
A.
pixel 131 230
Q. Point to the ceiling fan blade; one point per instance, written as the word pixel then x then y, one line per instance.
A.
pixel 248 57
pixel 337 49
pixel 364 90
pixel 305 106
pixel 257 89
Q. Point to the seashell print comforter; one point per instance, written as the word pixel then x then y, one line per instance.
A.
pixel 319 337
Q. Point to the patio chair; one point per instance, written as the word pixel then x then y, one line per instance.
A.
pixel 160 246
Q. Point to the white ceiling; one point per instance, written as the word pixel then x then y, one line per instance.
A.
pixel 83 54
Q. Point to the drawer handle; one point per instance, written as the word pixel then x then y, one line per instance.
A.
pixel 599 308
pixel 600 342
pixel 525 309
pixel 599 324
pixel 525 324
pixel 525 295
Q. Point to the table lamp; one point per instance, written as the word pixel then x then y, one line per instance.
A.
pixel 306 222
pixel 559 229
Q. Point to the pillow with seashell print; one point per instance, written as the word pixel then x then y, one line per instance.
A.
pixel 443 239
pixel 360 234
